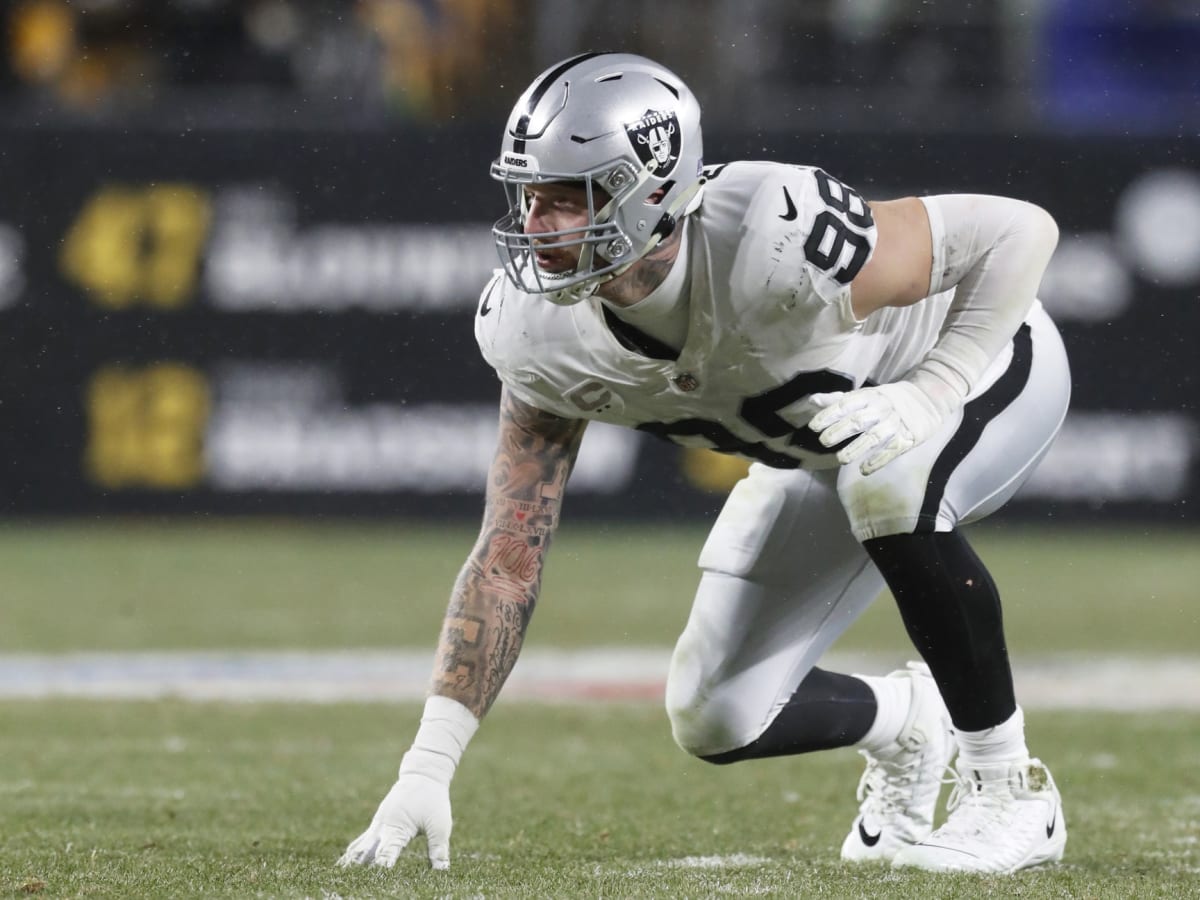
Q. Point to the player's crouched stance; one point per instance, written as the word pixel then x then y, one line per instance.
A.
pixel 743 680
pixel 889 371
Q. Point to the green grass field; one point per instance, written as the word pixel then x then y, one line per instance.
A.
pixel 174 799
pixel 268 584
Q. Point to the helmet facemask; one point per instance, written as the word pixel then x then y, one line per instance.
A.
pixel 627 132
pixel 605 251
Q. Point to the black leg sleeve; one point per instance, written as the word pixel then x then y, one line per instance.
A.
pixel 951 609
pixel 827 710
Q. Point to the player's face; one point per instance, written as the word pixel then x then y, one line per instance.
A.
pixel 556 208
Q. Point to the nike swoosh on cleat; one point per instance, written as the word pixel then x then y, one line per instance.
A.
pixel 869 839
pixel 1053 822
pixel 791 207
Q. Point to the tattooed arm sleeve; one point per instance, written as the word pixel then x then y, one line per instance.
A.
pixel 498 586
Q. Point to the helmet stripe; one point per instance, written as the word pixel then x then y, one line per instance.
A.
pixel 538 92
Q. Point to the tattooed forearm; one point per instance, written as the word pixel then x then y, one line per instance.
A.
pixel 497 589
pixel 459 633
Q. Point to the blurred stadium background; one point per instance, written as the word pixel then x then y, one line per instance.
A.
pixel 241 241
pixel 241 244
pixel 244 429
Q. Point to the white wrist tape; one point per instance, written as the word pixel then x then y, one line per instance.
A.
pixel 446 728
pixel 993 251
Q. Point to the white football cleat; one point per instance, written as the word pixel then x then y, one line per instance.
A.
pixel 899 790
pixel 1002 818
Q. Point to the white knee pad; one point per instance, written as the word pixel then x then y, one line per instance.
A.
pixel 707 716
pixel 783 578
pixel 714 707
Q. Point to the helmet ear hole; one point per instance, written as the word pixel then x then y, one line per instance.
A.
pixel 656 198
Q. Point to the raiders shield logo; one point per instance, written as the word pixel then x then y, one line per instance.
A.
pixel 655 137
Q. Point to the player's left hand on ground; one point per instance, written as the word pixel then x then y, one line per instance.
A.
pixel 888 420
pixel 415 804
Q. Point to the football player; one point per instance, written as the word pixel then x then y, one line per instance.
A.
pixel 884 364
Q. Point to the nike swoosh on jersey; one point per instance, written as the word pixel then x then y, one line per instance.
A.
pixel 869 839
pixel 1053 822
pixel 791 207
pixel 484 309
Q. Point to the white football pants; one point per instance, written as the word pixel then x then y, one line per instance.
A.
pixel 785 574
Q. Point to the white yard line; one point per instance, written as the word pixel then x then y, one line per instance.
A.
pixel 601 674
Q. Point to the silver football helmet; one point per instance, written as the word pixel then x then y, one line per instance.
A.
pixel 627 131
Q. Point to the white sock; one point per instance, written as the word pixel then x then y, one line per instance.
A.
pixel 893 698
pixel 1003 743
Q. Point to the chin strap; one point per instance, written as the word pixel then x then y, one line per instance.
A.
pixel 663 230
pixel 670 218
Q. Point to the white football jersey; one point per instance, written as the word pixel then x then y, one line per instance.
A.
pixel 766 262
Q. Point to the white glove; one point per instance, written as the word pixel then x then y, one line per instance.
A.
pixel 416 803
pixel 419 801
pixel 889 420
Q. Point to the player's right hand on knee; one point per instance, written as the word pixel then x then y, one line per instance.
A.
pixel 416 804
